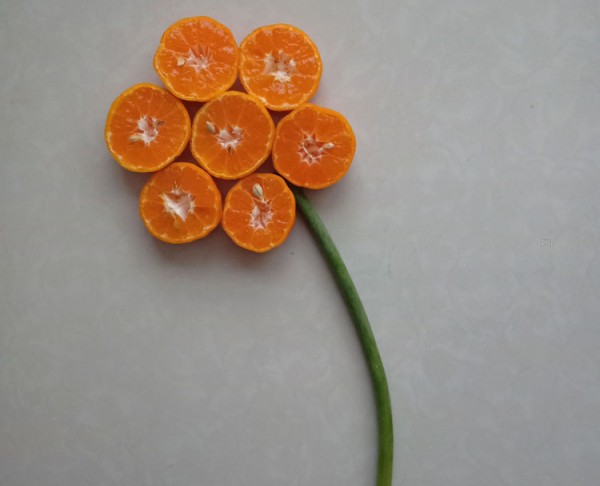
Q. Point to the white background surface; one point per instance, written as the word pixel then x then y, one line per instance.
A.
pixel 469 221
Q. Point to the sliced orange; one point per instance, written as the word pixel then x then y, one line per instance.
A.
pixel 232 135
pixel 313 147
pixel 259 212
pixel 280 65
pixel 180 203
pixel 146 128
pixel 197 58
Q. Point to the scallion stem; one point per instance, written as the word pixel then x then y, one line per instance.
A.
pixel 365 334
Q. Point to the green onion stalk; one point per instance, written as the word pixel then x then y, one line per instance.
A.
pixel 365 335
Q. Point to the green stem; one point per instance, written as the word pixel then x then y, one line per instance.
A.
pixel 365 334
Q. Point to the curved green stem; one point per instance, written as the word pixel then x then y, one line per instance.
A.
pixel 365 334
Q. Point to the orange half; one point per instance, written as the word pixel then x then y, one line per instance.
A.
pixel 313 147
pixel 232 135
pixel 281 65
pixel 259 212
pixel 197 58
pixel 180 203
pixel 146 128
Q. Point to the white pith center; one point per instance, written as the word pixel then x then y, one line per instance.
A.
pixel 178 202
pixel 199 63
pixel 147 130
pixel 311 150
pixel 230 137
pixel 280 66
pixel 262 214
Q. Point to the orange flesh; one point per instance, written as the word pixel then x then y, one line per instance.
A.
pixel 232 135
pixel 197 58
pixel 313 147
pixel 146 128
pixel 180 203
pixel 259 219
pixel 280 65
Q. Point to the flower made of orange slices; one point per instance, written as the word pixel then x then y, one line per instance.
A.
pixel 231 136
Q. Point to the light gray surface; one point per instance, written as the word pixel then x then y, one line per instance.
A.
pixel 469 221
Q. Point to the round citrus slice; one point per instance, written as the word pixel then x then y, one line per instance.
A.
pixel 313 147
pixel 259 212
pixel 180 203
pixel 280 65
pixel 197 58
pixel 232 135
pixel 146 128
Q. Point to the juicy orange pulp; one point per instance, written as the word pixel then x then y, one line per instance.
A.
pixel 280 65
pixel 180 203
pixel 313 147
pixel 259 212
pixel 232 135
pixel 146 128
pixel 197 58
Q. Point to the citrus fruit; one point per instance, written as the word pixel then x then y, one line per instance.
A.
pixel 280 65
pixel 232 135
pixel 146 128
pixel 313 147
pixel 197 58
pixel 259 212
pixel 180 203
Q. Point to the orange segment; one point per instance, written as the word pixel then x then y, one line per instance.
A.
pixel 232 135
pixel 197 58
pixel 146 128
pixel 180 203
pixel 313 147
pixel 280 65
pixel 259 212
